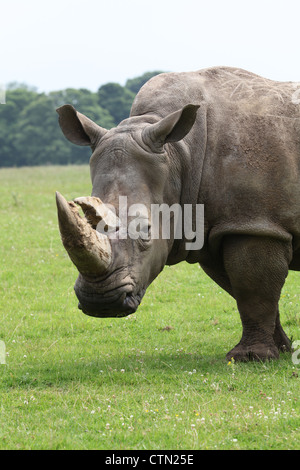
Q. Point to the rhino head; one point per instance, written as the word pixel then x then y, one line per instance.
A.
pixel 131 161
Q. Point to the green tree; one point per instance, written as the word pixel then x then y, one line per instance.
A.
pixel 17 99
pixel 37 137
pixel 85 102
pixel 29 130
pixel 116 99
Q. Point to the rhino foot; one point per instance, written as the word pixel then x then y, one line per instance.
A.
pixel 253 352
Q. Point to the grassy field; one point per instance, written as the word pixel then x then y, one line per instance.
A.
pixel 155 380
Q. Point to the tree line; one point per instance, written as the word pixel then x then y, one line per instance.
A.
pixel 29 130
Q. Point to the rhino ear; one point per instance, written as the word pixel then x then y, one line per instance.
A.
pixel 78 128
pixel 171 128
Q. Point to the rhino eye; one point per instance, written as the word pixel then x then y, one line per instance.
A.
pixel 145 231
pixel 140 229
pixel 144 238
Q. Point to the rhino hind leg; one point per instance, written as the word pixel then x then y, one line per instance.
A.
pixel 257 268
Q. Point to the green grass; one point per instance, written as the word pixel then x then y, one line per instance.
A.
pixel 155 380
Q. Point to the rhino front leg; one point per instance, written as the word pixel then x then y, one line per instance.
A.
pixel 257 269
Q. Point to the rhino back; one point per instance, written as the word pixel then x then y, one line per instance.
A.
pixel 219 86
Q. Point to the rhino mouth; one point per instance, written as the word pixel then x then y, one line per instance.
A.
pixel 118 304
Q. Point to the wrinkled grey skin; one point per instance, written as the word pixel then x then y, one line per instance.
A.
pixel 221 137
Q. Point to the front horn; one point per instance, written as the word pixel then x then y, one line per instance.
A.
pixel 88 249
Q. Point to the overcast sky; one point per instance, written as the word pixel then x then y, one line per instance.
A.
pixel 83 44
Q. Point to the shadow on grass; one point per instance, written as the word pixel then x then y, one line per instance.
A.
pixel 129 369
pixel 133 370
